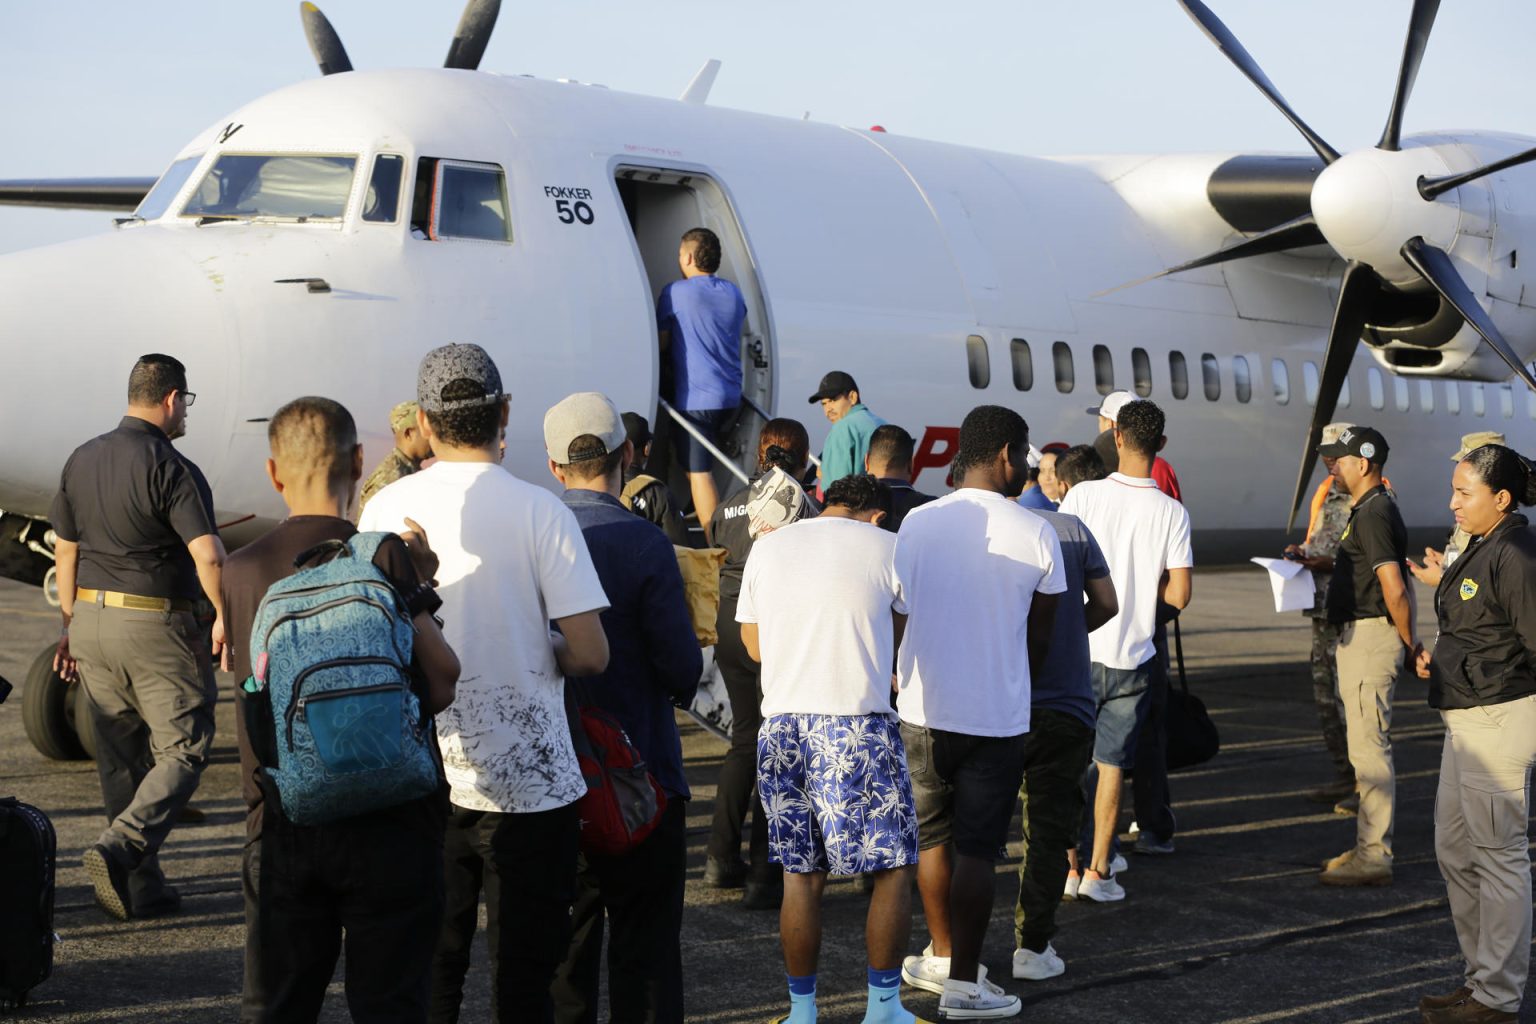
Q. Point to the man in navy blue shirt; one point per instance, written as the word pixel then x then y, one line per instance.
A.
pixel 654 665
pixel 699 320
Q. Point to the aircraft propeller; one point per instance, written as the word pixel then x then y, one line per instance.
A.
pixel 465 52
pixel 1357 202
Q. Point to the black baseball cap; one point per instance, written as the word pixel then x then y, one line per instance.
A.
pixel 638 430
pixel 1365 442
pixel 833 384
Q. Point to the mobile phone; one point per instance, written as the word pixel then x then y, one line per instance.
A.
pixel 1293 556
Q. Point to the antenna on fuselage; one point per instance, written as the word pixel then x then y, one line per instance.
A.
pixel 698 89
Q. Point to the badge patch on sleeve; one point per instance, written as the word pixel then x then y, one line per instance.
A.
pixel 1468 589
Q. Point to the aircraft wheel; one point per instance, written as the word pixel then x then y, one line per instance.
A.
pixel 45 711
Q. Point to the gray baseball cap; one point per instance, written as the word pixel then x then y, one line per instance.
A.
pixel 578 415
pixel 452 364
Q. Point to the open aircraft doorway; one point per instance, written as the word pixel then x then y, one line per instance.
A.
pixel 662 203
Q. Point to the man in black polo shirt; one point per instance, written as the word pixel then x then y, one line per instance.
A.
pixel 1368 602
pixel 889 460
pixel 134 520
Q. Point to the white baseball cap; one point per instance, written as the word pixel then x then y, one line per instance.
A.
pixel 1113 402
pixel 586 412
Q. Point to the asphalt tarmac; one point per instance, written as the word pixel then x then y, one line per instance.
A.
pixel 1232 928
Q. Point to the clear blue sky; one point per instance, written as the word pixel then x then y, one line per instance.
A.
pixel 107 87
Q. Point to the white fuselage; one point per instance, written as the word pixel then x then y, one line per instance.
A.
pixel 865 252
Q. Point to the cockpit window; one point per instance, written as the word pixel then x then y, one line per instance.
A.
pixel 470 201
pixel 159 198
pixel 381 204
pixel 302 188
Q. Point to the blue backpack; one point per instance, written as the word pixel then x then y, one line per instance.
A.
pixel 331 647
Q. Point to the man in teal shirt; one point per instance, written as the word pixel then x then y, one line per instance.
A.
pixel 852 423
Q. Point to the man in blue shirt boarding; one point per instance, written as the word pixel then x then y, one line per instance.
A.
pixel 699 320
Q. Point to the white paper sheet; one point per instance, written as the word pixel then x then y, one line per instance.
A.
pixel 1291 583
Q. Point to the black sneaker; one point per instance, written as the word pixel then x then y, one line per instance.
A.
pixel 763 895
pixel 110 880
pixel 719 874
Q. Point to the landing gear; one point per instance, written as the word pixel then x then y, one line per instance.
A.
pixel 50 709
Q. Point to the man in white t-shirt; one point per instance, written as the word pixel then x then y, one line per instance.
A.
pixel 819 609
pixel 1145 538
pixel 512 560
pixel 979 574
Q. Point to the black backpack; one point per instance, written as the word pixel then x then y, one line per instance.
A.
pixel 28 849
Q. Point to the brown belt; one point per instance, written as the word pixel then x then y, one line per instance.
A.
pixel 133 602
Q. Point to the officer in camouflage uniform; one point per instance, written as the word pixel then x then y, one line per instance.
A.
pixel 411 448
pixel 1324 532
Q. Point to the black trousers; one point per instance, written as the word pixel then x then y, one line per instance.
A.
pixel 1056 754
pixel 736 791
pixel 373 888
pixel 1151 799
pixel 641 896
pixel 526 865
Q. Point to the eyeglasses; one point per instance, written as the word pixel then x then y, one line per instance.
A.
pixel 188 397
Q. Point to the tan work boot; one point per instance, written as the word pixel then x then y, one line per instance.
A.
pixel 1354 872
pixel 1336 862
pixel 1441 1002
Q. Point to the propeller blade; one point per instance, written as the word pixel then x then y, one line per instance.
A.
pixel 1429 188
pixel 1293 234
pixel 1436 266
pixel 473 34
pixel 1419 24
pixel 1227 43
pixel 324 43
pixel 1356 291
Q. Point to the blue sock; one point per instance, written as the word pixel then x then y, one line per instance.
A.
pixel 802 999
pixel 885 998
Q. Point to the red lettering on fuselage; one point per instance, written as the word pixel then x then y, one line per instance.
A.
pixel 936 451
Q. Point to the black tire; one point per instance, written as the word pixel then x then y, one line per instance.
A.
pixel 81 721
pixel 45 713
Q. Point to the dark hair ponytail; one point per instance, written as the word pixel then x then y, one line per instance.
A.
pixel 775 456
pixel 1504 469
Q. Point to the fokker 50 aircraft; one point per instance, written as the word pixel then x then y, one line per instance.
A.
pixel 322 237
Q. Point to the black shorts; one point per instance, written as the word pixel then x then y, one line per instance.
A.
pixel 965 788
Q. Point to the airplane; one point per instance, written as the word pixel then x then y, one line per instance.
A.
pixel 322 237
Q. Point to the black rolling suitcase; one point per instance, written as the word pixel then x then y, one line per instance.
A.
pixel 28 849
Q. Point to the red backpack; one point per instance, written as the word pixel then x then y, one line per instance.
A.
pixel 624 802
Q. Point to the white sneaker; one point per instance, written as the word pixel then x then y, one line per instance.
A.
pixel 1031 966
pixel 1118 864
pixel 963 1000
pixel 926 971
pixel 1069 891
pixel 1100 890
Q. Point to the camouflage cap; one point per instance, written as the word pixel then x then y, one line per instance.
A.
pixel 452 364
pixel 1471 442
pixel 1332 431
pixel 402 416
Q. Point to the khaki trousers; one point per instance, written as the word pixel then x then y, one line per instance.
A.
pixel 1370 655
pixel 1481 811
pixel 151 690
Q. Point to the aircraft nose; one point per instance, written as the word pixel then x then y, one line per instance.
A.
pixel 75 318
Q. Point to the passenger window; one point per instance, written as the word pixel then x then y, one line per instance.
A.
pixel 1344 395
pixel 1061 356
pixel 470 201
pixel 1530 403
pixel 1141 372
pixel 1400 394
pixel 1453 398
pixel 381 203
pixel 1479 401
pixel 1280 376
pixel 1506 401
pixel 1103 370
pixel 1210 373
pixel 1378 394
pixel 1242 383
pixel 1427 395
pixel 977 361
pixel 1309 381
pixel 1178 375
pixel 1023 364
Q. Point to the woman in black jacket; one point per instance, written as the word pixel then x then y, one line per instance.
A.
pixel 1482 676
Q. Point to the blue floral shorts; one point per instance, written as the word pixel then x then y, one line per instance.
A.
pixel 836 793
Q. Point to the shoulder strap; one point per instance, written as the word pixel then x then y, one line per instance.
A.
pixel 634 487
